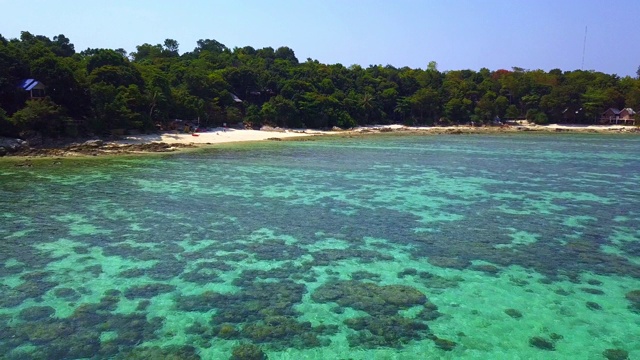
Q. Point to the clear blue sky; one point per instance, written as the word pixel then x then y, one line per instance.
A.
pixel 457 34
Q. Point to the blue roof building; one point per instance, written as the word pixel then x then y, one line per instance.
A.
pixel 35 88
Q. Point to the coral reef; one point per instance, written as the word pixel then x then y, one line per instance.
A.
pixel 147 291
pixel 364 275
pixel 384 327
pixel 634 299
pixel 513 313
pixel 185 352
pixel 593 305
pixel 247 352
pixel 385 331
pixel 444 344
pixel 486 268
pixel 331 256
pixel 204 302
pixel 616 354
pixel 36 313
pixel 542 343
pixel 369 297
pixel 592 291
pixel 66 293
pixel 452 262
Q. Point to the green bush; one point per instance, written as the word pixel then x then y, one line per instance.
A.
pixel 541 119
pixel 6 126
pixel 41 115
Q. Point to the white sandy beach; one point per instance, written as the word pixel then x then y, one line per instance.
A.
pixel 217 136
pixel 171 141
pixel 220 135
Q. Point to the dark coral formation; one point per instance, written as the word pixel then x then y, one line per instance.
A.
pixel 445 344
pixel 616 354
pixel 369 297
pixel 407 272
pixel 185 352
pixel 513 313
pixel 452 262
pixel 278 329
pixel 634 300
pixel 78 336
pixel 34 286
pixel 542 343
pixel 592 291
pixel 430 280
pixel 36 313
pixel 593 305
pixel 385 331
pixel 364 275
pixel 331 256
pixel 275 250
pixel 66 293
pixel 486 268
pixel 556 258
pixel 247 352
pixel 262 312
pixel 205 272
pixel 438 282
pixel 146 291
pixel 204 302
pixel 384 327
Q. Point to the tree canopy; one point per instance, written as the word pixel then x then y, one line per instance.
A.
pixel 105 89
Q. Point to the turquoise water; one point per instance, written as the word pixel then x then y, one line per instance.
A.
pixel 383 247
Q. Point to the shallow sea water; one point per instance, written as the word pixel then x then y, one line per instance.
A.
pixel 383 247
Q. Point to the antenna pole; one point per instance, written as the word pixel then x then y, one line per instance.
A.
pixel 584 47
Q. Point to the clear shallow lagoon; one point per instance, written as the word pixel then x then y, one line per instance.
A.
pixel 383 247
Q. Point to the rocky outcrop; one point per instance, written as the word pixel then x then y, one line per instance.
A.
pixel 10 146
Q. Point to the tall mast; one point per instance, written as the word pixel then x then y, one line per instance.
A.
pixel 584 47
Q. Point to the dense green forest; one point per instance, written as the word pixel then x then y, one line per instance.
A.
pixel 98 90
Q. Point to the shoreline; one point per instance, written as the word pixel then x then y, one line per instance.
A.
pixel 171 142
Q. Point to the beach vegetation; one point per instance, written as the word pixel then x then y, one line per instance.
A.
pixel 104 91
pixel 41 115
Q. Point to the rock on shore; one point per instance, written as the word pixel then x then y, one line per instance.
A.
pixel 10 146
pixel 18 147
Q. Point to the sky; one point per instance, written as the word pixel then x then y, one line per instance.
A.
pixel 456 34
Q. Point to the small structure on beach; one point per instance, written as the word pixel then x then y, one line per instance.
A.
pixel 615 116
pixel 35 88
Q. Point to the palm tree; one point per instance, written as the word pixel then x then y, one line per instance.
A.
pixel 367 105
pixel 403 106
